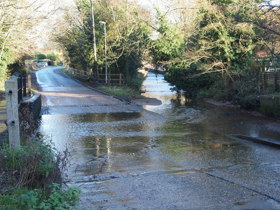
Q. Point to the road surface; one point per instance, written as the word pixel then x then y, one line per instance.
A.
pixel 62 94
pixel 174 156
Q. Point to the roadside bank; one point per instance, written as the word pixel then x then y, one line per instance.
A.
pixel 270 105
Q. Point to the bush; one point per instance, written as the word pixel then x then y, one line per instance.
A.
pixel 136 82
pixel 34 165
pixel 249 102
pixel 216 91
pixel 18 67
pixel 40 56
pixel 189 79
pixel 60 198
pixel 23 198
pixel 35 173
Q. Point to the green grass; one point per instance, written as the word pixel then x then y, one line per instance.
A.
pixel 65 71
pixel 34 91
pixel 121 91
pixel 58 198
pixel 130 91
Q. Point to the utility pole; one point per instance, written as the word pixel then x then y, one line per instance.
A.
pixel 94 39
pixel 105 53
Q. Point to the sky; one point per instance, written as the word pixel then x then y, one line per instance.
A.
pixel 149 4
pixel 276 2
pixel 162 3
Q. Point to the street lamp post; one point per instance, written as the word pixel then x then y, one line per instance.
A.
pixel 105 53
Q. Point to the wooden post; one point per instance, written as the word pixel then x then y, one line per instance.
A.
pixel 29 84
pixel 24 86
pixel 265 85
pixel 11 90
pixel 120 79
pixel 276 87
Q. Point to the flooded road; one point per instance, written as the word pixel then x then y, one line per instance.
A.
pixel 172 156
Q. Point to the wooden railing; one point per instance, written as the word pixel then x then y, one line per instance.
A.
pixel 112 79
pixel 80 74
pixel 22 87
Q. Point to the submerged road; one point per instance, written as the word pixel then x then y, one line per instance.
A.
pixel 172 156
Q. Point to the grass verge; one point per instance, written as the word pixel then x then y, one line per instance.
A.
pixel 129 91
pixel 120 91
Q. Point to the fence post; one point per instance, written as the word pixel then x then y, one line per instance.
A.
pixel 20 96
pixel 276 81
pixel 120 80
pixel 11 90
pixel 24 86
pixel 265 85
pixel 29 84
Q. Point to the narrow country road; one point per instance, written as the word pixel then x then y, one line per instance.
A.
pixel 62 94
pixel 172 156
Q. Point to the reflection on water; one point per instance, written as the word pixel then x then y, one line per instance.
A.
pixel 180 129
pixel 175 137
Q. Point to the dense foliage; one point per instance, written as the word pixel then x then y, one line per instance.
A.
pixel 169 43
pixel 218 57
pixel 127 36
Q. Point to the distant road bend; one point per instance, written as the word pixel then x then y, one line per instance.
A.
pixel 62 94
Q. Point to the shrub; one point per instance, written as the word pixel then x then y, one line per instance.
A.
pixel 18 68
pixel 34 171
pixel 23 198
pixel 40 56
pixel 249 102
pixel 135 82
pixel 34 165
pixel 189 78
pixel 60 198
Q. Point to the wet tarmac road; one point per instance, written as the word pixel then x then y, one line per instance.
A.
pixel 60 90
pixel 172 156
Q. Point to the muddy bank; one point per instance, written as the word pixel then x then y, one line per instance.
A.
pixel 231 105
pixel 221 103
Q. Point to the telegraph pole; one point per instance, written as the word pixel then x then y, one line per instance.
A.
pixel 94 39
pixel 105 53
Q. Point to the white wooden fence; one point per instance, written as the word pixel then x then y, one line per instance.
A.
pixel 15 91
